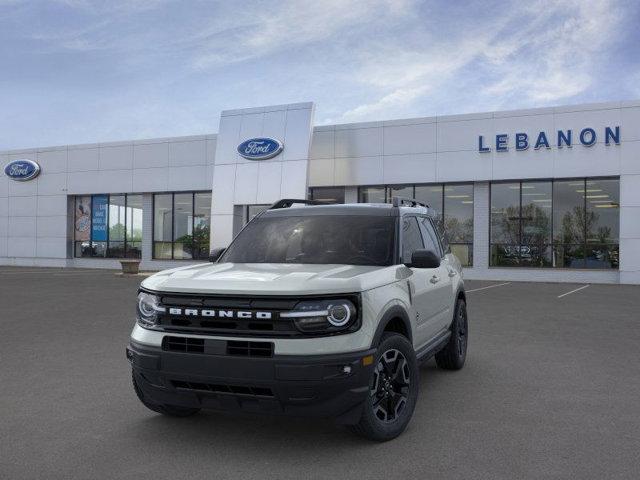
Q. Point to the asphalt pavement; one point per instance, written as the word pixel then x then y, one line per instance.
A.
pixel 551 390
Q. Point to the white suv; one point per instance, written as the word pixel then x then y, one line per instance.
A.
pixel 323 310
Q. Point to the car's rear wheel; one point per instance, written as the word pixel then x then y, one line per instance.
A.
pixel 454 354
pixel 170 410
pixel 393 390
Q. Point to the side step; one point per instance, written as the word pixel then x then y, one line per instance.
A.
pixel 433 347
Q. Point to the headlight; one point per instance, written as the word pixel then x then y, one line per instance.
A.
pixel 148 308
pixel 323 316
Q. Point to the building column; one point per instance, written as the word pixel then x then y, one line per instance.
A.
pixel 629 229
pixel 147 227
pixel 481 213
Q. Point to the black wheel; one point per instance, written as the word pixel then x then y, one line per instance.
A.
pixel 393 390
pixel 170 410
pixel 453 355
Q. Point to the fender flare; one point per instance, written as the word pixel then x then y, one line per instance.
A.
pixel 395 311
pixel 459 294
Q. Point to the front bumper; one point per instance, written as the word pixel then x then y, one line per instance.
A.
pixel 328 386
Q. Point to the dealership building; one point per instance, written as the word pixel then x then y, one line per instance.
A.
pixel 548 194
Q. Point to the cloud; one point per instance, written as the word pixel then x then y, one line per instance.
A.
pixel 554 63
pixel 541 53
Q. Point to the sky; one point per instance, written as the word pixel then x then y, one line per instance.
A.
pixel 80 71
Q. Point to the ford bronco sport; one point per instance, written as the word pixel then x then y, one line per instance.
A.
pixel 323 310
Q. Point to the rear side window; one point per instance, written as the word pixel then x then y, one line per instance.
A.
pixel 442 236
pixel 429 235
pixel 411 238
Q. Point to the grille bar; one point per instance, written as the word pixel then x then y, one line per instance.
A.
pixel 250 349
pixel 183 344
pixel 252 391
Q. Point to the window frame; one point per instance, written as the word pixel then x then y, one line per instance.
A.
pixel 553 245
pixel 444 242
pixel 125 240
pixel 401 228
pixel 173 209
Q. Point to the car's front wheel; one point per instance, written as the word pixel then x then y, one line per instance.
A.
pixel 393 390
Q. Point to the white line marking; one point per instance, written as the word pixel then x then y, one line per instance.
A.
pixel 489 286
pixel 573 291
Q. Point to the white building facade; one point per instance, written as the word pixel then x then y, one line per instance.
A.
pixel 549 194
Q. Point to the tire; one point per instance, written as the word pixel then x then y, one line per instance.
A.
pixel 169 410
pixel 393 388
pixel 454 354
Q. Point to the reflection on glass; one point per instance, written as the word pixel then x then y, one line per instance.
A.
pixel 328 194
pixel 182 225
pixel 201 224
pixel 162 225
pixel 535 230
pixel 568 212
pixel 134 226
pixel 564 224
pixel 253 210
pixel 505 213
pixel 603 211
pixel 432 196
pixel 458 213
pixel 404 191
pixel 371 195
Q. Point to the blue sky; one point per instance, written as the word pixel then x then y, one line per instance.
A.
pixel 76 71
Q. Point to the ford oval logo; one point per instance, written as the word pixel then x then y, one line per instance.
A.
pixel 260 148
pixel 22 170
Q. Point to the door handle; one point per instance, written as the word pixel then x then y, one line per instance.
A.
pixel 434 279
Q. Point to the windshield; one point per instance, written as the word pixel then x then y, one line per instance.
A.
pixel 320 239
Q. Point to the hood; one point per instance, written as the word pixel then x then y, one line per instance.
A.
pixel 272 278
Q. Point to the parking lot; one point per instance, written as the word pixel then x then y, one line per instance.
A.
pixel 551 389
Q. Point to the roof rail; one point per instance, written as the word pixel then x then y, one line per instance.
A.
pixel 410 202
pixel 288 202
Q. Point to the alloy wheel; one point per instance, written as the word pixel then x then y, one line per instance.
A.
pixel 391 384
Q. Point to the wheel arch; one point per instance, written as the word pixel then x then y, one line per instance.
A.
pixel 395 319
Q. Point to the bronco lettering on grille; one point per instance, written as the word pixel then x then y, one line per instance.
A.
pixel 240 314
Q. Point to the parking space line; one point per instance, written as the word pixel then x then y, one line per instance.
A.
pixel 573 291
pixel 488 286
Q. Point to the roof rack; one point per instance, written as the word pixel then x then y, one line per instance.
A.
pixel 410 202
pixel 288 202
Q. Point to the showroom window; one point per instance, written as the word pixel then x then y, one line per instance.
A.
pixel 452 204
pixel 108 226
pixel 562 224
pixel 250 211
pixel 181 225
pixel 327 194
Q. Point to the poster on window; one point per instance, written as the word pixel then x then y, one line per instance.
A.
pixel 99 218
pixel 83 219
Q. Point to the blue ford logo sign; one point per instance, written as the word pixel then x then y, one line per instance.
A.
pixel 260 148
pixel 22 170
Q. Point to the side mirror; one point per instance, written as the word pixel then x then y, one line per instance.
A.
pixel 215 254
pixel 424 259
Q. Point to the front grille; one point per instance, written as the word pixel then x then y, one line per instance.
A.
pixel 233 316
pixel 227 389
pixel 250 349
pixel 183 344
pixel 183 323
